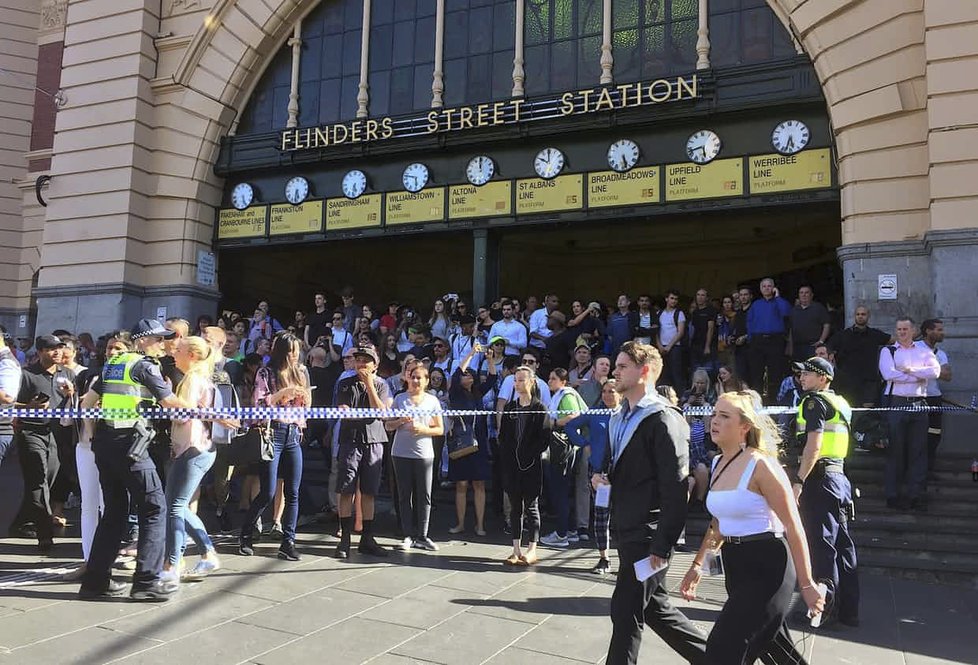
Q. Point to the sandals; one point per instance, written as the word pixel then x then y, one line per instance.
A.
pixel 528 559
pixel 457 529
pixel 513 560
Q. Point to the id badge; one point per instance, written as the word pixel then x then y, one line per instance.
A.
pixel 713 564
pixel 602 496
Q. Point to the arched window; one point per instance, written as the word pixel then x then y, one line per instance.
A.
pixel 478 58
pixel 402 55
pixel 653 37
pixel 562 45
pixel 744 32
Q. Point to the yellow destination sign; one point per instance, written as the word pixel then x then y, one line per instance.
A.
pixel 535 195
pixel 428 205
pixel 491 200
pixel 247 223
pixel 610 188
pixel 724 177
pixel 809 169
pixel 285 218
pixel 361 213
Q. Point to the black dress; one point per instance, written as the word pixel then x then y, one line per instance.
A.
pixel 475 466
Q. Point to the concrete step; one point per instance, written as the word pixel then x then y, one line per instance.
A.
pixel 959 543
pixel 936 492
pixel 875 503
pixel 950 462
pixel 937 562
pixel 898 522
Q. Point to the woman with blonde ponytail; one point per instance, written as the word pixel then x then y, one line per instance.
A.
pixel 193 455
pixel 764 548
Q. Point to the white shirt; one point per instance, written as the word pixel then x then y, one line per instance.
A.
pixel 922 365
pixel 645 321
pixel 513 332
pixel 9 376
pixel 933 385
pixel 508 390
pixel 667 326
pixel 538 324
pixel 461 345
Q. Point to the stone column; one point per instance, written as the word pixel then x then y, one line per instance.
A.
pixel 519 76
pixel 296 43
pixel 607 58
pixel 703 36
pixel 363 96
pixel 485 267
pixel 438 76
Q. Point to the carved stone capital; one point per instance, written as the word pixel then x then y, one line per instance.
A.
pixel 177 7
pixel 53 15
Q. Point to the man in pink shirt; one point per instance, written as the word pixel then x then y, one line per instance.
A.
pixel 906 368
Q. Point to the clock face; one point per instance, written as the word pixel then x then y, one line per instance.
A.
pixel 790 136
pixel 548 163
pixel 623 155
pixel 415 177
pixel 242 195
pixel 296 190
pixel 354 184
pixel 703 146
pixel 480 170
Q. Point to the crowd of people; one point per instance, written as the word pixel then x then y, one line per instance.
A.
pixel 564 395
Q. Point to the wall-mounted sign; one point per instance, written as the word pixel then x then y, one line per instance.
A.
pixel 494 199
pixel 206 268
pixel 492 114
pixel 247 223
pixel 428 205
pixel 535 195
pixel 687 181
pixel 809 169
pixel 361 213
pixel 610 188
pixel 887 287
pixel 287 219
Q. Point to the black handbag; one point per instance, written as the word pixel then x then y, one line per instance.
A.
pixel 462 443
pixel 252 446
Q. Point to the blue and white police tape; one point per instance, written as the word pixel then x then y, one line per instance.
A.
pixel 250 413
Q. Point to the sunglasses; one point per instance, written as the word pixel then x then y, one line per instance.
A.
pixel 529 361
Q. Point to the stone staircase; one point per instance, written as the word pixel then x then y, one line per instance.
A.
pixel 940 545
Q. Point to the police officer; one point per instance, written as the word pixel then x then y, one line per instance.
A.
pixel 825 500
pixel 129 381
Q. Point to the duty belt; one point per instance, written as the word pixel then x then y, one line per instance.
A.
pixel 829 465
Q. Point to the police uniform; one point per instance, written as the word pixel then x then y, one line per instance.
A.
pixel 826 502
pixel 129 381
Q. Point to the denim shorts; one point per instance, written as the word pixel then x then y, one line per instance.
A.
pixel 360 463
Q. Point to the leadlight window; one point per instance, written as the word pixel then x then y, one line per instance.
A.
pixel 562 45
pixel 744 32
pixel 653 38
pixel 480 36
pixel 402 55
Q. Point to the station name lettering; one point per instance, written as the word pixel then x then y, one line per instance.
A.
pixel 491 114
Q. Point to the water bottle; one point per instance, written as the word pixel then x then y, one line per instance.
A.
pixel 974 470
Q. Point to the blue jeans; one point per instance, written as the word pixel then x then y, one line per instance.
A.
pixel 182 481
pixel 288 456
pixel 5 441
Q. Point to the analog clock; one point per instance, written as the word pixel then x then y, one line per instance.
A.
pixel 548 163
pixel 354 184
pixel 790 136
pixel 242 195
pixel 415 177
pixel 623 155
pixel 703 146
pixel 296 190
pixel 480 170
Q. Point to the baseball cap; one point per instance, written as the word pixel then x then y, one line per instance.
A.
pixel 150 328
pixel 594 305
pixel 496 339
pixel 367 351
pixel 817 365
pixel 582 343
pixel 45 342
pixel 466 319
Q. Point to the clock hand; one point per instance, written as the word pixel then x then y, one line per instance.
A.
pixel 791 143
pixel 624 163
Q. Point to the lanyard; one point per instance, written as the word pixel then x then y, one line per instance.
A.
pixel 723 468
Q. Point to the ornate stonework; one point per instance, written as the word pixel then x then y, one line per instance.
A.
pixel 53 14
pixel 175 7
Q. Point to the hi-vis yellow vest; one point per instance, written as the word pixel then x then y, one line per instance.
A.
pixel 121 392
pixel 835 434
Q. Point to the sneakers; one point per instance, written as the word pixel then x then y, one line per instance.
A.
pixel 224 520
pixel 276 530
pixel 407 544
pixel 583 537
pixel 603 567
pixel 425 543
pixel 457 529
pixel 203 568
pixel 553 539
pixel 73 502
pixel 371 547
pixel 245 546
pixel 572 537
pixel 112 590
pixel 288 551
pixel 158 592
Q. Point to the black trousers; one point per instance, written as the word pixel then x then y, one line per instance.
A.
pixel 768 364
pixel 826 500
pixel 635 604
pixel 935 429
pixel 524 488
pixel 123 480
pixel 760 580
pixel 66 481
pixel 39 463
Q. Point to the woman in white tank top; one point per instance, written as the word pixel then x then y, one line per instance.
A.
pixel 756 522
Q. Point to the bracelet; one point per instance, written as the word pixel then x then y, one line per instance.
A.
pixel 697 567
pixel 808 586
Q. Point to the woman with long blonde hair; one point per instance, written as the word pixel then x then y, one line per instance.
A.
pixel 193 455
pixel 763 542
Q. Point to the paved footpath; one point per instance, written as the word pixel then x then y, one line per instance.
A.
pixel 459 605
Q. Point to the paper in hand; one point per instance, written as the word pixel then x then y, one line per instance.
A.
pixel 644 569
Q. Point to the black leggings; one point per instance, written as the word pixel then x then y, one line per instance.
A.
pixel 760 580
pixel 524 496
